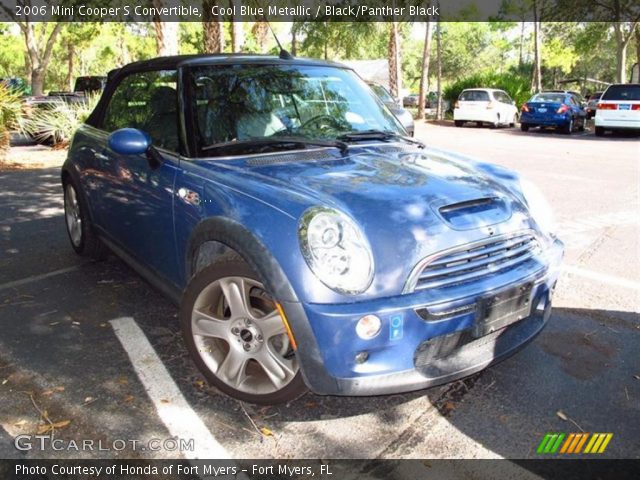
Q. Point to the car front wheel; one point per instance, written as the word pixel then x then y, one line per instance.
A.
pixel 237 337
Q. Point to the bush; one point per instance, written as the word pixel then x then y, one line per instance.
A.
pixel 518 87
pixel 10 105
pixel 56 123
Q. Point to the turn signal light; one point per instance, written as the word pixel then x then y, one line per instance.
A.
pixel 607 106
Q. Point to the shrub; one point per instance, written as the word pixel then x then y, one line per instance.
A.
pixel 10 105
pixel 56 123
pixel 517 86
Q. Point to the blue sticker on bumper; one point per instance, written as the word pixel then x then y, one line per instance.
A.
pixel 395 327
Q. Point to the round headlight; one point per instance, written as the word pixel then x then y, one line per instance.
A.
pixel 336 250
pixel 539 207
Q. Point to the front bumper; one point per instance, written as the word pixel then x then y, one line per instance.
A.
pixel 412 353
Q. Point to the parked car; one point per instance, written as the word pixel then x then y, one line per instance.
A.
pixel 410 100
pixel 619 108
pixel 392 104
pixel 485 105
pixel 553 109
pixel 308 242
pixel 592 104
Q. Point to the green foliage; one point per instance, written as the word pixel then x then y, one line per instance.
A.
pixel 515 85
pixel 10 107
pixel 58 123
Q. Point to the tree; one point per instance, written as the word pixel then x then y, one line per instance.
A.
pixel 213 37
pixel 395 72
pixel 166 33
pixel 424 77
pixel 536 78
pixel 39 42
pixel 237 33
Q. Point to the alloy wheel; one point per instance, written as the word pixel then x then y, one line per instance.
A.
pixel 241 337
pixel 72 215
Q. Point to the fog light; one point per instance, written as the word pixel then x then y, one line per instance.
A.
pixel 368 327
pixel 361 357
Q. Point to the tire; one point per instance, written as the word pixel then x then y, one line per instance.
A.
pixel 599 132
pixel 227 335
pixel 568 128
pixel 524 127
pixel 458 123
pixel 479 124
pixel 80 230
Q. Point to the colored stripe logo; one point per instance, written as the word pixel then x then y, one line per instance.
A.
pixel 574 443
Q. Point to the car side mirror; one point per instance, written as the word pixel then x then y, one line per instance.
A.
pixel 131 141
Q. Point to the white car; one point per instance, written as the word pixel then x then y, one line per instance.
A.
pixel 485 105
pixel 619 108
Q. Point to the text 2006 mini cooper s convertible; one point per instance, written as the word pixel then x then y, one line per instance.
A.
pixel 309 243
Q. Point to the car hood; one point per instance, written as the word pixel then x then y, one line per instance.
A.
pixel 409 202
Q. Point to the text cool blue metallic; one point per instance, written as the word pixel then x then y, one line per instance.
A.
pixel 307 241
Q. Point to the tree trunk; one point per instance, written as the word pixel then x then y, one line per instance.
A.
pixel 520 56
pixel 424 77
pixel 166 33
pixel 237 33
pixel 213 39
pixel 37 81
pixel 70 57
pixel 294 41
pixel 439 48
pixel 536 80
pixel 395 74
pixel 38 56
pixel 638 51
pixel 260 31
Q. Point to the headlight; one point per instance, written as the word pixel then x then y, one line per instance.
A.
pixel 539 208
pixel 336 250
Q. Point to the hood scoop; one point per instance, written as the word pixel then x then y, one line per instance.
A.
pixel 475 212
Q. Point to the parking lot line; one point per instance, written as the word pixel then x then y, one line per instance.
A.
pixel 173 409
pixel 601 277
pixel 37 278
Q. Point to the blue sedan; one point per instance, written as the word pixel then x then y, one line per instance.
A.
pixel 308 242
pixel 558 110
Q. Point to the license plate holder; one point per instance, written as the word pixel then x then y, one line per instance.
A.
pixel 624 106
pixel 542 110
pixel 494 312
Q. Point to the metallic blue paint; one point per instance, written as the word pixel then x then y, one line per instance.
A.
pixel 129 141
pixel 394 191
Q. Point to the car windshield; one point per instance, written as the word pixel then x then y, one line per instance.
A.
pixel 548 97
pixel 382 93
pixel 622 92
pixel 257 102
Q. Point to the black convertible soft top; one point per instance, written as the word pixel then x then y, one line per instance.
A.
pixel 175 61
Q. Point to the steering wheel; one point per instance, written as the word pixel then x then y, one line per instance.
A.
pixel 324 117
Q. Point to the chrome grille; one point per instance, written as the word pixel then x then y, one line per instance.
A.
pixel 472 262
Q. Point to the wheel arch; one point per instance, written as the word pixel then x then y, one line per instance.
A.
pixel 215 237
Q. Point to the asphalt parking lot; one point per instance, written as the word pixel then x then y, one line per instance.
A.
pixel 63 364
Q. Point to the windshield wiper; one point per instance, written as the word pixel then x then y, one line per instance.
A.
pixel 357 136
pixel 266 143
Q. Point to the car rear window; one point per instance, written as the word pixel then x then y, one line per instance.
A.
pixel 548 97
pixel 622 92
pixel 474 96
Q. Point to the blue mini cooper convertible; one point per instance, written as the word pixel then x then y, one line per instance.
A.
pixel 307 240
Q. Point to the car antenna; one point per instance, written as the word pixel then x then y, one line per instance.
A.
pixel 284 55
